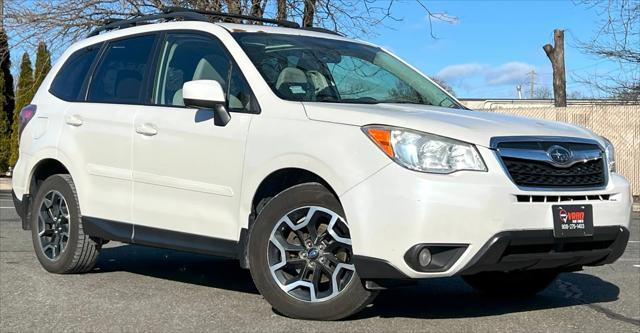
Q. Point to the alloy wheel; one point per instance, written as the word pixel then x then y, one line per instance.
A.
pixel 309 254
pixel 53 224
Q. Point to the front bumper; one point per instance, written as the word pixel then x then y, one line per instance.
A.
pixel 396 209
pixel 538 249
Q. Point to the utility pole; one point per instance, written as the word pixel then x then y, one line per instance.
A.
pixel 556 56
pixel 532 82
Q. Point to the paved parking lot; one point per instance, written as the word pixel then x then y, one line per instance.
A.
pixel 136 288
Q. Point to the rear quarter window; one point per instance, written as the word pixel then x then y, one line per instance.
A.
pixel 68 83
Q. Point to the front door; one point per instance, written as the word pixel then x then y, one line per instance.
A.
pixel 187 171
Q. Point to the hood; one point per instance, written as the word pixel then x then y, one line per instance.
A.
pixel 477 127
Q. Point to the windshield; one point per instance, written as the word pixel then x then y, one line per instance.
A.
pixel 310 69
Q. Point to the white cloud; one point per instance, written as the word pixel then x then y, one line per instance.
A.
pixel 509 73
pixel 477 79
pixel 460 71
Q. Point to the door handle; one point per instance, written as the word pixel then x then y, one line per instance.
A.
pixel 146 129
pixel 73 120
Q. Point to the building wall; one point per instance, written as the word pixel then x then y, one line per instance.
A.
pixel 481 103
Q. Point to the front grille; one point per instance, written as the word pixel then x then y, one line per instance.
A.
pixel 529 164
pixel 541 174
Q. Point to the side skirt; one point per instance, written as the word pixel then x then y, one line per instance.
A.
pixel 143 235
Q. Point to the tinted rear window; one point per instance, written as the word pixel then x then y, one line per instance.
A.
pixel 120 75
pixel 67 84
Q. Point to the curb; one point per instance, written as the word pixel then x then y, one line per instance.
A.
pixel 5 184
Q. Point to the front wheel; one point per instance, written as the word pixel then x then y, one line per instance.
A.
pixel 301 257
pixel 511 284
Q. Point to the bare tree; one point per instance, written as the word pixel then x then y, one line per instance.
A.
pixel 617 39
pixel 542 92
pixel 61 22
pixel 282 9
pixel 556 55
pixel 444 84
pixel 309 12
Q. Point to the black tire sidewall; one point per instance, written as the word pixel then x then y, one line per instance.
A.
pixel 60 184
pixel 350 300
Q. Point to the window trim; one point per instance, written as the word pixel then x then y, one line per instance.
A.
pixel 145 77
pixel 232 65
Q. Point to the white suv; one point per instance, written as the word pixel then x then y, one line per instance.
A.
pixel 327 166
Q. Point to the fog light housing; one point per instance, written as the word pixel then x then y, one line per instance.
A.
pixel 424 257
pixel 433 257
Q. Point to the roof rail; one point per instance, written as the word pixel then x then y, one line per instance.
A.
pixel 284 23
pixel 111 24
pixel 186 14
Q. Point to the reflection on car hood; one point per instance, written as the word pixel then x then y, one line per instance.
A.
pixel 476 127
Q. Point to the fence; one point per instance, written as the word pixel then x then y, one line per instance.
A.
pixel 618 123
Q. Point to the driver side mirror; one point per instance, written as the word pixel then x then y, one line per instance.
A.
pixel 207 94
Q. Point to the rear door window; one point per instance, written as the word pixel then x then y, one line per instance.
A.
pixel 121 74
pixel 69 81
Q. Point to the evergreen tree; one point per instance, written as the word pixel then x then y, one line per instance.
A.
pixel 43 65
pixel 24 95
pixel 5 67
pixel 5 132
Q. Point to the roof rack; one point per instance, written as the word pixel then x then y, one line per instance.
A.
pixel 283 23
pixel 186 14
pixel 111 24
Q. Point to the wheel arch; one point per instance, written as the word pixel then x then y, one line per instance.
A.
pixel 274 183
pixel 282 179
pixel 43 169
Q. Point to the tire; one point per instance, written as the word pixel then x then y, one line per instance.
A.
pixel 349 297
pixel 511 284
pixel 80 253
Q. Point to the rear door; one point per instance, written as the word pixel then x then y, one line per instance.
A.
pixel 101 127
pixel 187 171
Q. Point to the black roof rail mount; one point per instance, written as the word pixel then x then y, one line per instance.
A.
pixel 283 23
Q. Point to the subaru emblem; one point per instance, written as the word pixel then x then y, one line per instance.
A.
pixel 559 155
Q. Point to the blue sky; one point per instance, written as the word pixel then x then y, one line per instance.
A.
pixel 490 48
pixel 494 44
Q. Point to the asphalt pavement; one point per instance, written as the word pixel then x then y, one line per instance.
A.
pixel 135 288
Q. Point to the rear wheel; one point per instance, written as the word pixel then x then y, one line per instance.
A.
pixel 56 228
pixel 301 258
pixel 514 284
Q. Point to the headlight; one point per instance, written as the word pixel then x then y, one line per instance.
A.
pixel 609 154
pixel 425 152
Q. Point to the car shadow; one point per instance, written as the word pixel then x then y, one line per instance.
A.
pixel 448 298
pixel 178 266
pixel 442 298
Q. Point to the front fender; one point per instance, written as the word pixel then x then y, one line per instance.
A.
pixel 340 154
